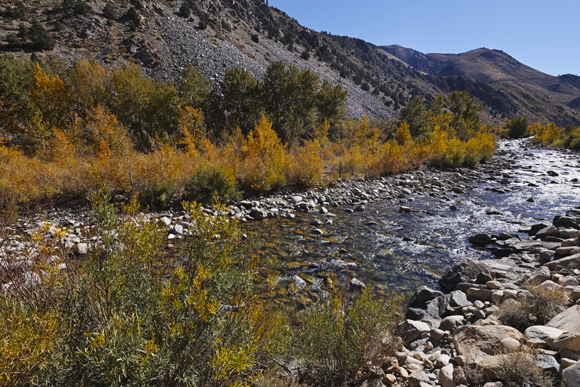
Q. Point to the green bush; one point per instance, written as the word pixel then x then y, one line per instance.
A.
pixel 255 38
pixel 131 317
pixel 338 337
pixel 185 10
pixel 110 12
pixel 211 183
pixel 17 10
pixel 518 127
pixel 41 39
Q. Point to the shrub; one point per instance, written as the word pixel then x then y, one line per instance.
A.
pixel 82 8
pixel 518 127
pixel 110 12
pixel 213 183
pixel 17 10
pixel 202 24
pixel 521 369
pixel 185 10
pixel 339 336
pixel 537 308
pixel 13 41
pixel 304 166
pixel 305 55
pixel 255 38
pixel 41 39
pixel 226 26
pixel 263 159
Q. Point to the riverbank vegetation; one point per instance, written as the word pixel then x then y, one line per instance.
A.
pixel 548 134
pixel 67 129
pixel 129 314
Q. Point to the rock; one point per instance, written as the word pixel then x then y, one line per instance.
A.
pixel 423 295
pixel 166 221
pixel 567 362
pixel 445 376
pixel 537 335
pixel 405 210
pixel 465 271
pixel 568 281
pixel 567 340
pixel 297 199
pixel 571 262
pixel 450 323
pixel 458 299
pixel 360 208
pixel 538 276
pixel 493 284
pixel 317 231
pixel 571 376
pixel 356 284
pixel 477 342
pixel 481 294
pixel 258 214
pixel 567 222
pixel 575 294
pixel 390 379
pixel 549 285
pixel 566 251
pixel 491 366
pixel 568 320
pixel 412 330
pixel 546 256
pixel 437 334
pixel 417 377
pixel 549 364
pixel 81 249
pixel 442 361
pixel 509 345
pixel 552 173
pixel 479 239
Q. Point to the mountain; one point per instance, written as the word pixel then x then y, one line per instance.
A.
pixel 529 88
pixel 220 34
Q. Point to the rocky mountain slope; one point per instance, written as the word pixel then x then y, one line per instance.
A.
pixel 165 35
pixel 529 87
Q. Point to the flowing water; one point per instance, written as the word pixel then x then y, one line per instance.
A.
pixel 396 252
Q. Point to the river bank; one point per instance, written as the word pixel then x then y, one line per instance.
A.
pixel 496 190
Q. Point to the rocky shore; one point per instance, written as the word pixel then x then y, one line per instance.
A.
pixel 447 336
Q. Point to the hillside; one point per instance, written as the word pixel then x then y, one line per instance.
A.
pixel 220 34
pixel 528 88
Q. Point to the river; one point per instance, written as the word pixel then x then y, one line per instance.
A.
pixel 397 252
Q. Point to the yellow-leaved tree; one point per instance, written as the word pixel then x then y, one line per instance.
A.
pixel 262 164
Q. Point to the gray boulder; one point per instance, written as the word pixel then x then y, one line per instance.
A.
pixel 568 320
pixel 465 271
pixel 571 376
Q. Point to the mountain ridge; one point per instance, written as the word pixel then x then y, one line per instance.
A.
pixel 250 34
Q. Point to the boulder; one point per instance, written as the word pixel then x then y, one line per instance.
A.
pixel 546 256
pixel 568 320
pixel 567 222
pixel 479 239
pixel 538 276
pixel 465 271
pixel 477 342
pixel 423 295
pixel 491 366
pixel 417 377
pixel 450 323
pixel 571 262
pixel 567 340
pixel 537 335
pixel 81 249
pixel 549 364
pixel 458 299
pixel 480 294
pixel 446 376
pixel 567 251
pixel 412 330
pixel 571 376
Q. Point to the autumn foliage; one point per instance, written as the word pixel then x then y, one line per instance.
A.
pixel 69 129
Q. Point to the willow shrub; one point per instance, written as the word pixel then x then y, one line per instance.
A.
pixel 339 336
pixel 128 316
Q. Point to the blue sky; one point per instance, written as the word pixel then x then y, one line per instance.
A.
pixel 541 34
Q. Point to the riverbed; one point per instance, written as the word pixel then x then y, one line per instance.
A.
pixel 396 250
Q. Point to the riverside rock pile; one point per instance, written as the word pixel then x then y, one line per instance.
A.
pixel 447 335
